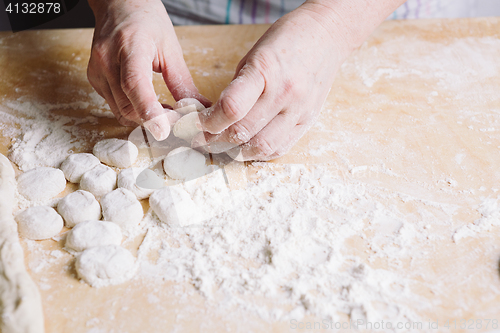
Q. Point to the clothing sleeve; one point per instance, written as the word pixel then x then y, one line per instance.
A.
pixel 186 12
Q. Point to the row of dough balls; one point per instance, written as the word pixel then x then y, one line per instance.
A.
pixel 120 205
pixel 100 260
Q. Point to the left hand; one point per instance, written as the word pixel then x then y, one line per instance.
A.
pixel 279 86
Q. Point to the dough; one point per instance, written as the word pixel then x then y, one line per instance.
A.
pixel 20 302
pixel 105 265
pixel 41 183
pixel 75 165
pixel 122 207
pixel 127 180
pixel 115 152
pixel 39 222
pixel 77 207
pixel 187 127
pixel 93 233
pixel 188 105
pixel 174 206
pixel 99 181
pixel 185 163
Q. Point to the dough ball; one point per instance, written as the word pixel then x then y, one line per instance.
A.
pixel 188 105
pixel 93 233
pixel 41 183
pixel 75 165
pixel 174 206
pixel 122 207
pixel 77 207
pixel 185 163
pixel 39 222
pixel 187 127
pixel 127 180
pixel 99 181
pixel 105 265
pixel 115 152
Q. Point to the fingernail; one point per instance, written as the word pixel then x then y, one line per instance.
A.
pixel 158 126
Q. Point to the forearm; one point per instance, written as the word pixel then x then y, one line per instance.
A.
pixel 350 21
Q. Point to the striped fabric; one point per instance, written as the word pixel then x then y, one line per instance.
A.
pixel 186 12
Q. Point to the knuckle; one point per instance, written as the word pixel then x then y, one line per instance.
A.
pixel 100 51
pixel 238 134
pixel 231 109
pixel 263 62
pixel 129 83
pixel 127 111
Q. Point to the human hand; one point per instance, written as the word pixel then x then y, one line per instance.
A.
pixel 279 87
pixel 132 39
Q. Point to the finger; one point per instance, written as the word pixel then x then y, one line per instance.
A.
pixel 108 96
pixel 264 110
pixel 136 80
pixel 270 138
pixel 123 104
pixel 235 101
pixel 294 136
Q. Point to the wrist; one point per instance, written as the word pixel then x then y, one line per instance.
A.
pixel 350 22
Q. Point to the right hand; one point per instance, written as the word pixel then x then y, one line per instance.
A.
pixel 132 39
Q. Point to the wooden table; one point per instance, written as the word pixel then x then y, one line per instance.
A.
pixel 416 110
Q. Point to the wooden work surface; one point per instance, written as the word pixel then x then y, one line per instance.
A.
pixel 415 110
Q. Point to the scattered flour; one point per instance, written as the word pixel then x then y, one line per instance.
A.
pixel 41 137
pixel 288 237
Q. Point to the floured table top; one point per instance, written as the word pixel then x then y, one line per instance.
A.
pixel 388 208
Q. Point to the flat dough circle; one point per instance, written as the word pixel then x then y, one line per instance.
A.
pixel 41 183
pixel 122 207
pixel 174 206
pixel 116 152
pixel 185 163
pixel 99 181
pixel 105 265
pixel 187 105
pixel 75 165
pixel 187 127
pixel 93 233
pixel 127 180
pixel 39 222
pixel 77 207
